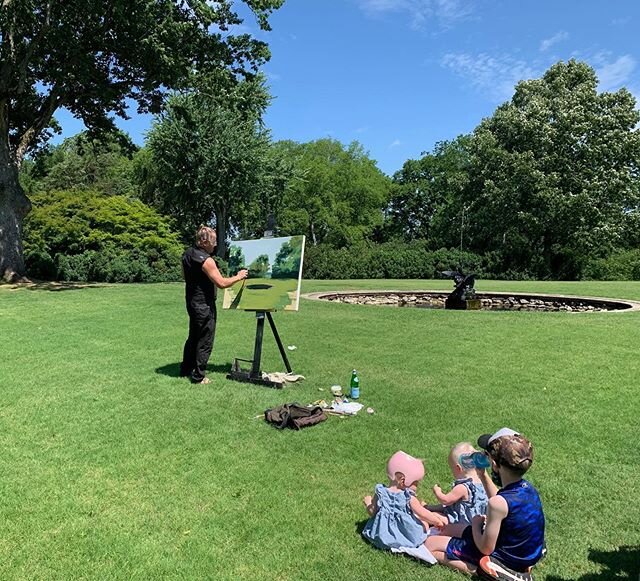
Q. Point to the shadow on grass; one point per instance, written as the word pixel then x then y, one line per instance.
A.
pixel 51 285
pixel 173 369
pixel 621 563
pixel 360 526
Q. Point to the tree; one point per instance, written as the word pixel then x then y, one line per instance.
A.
pixel 277 178
pixel 207 154
pixel 425 191
pixel 85 162
pixel 90 56
pixel 338 196
pixel 554 174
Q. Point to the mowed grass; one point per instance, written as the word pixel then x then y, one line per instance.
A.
pixel 115 468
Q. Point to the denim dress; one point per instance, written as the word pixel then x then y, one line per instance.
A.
pixel 394 525
pixel 463 511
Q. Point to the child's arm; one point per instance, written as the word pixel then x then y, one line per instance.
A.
pixel 371 502
pixel 427 516
pixel 486 539
pixel 458 492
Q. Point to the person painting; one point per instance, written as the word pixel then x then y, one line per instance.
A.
pixel 201 277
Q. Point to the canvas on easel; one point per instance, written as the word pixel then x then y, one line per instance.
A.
pixel 275 274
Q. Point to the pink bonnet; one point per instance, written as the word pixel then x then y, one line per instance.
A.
pixel 412 468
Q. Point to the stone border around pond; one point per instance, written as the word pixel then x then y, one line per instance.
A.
pixel 498 301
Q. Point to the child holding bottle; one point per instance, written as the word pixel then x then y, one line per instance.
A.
pixel 467 497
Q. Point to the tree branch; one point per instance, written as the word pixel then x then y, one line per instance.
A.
pixel 24 63
pixel 5 72
pixel 24 141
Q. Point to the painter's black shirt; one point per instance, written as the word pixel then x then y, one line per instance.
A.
pixel 199 288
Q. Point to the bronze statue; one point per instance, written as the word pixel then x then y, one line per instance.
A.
pixel 463 290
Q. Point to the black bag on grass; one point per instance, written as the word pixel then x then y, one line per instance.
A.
pixel 294 415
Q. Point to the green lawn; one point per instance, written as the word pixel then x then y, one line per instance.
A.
pixel 115 468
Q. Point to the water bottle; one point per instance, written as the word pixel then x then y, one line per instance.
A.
pixel 474 460
pixel 355 385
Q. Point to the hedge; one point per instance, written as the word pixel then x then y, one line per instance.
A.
pixel 388 260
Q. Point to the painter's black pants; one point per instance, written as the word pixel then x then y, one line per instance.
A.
pixel 197 348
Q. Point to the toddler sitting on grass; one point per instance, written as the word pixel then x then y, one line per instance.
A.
pixel 398 518
pixel 467 497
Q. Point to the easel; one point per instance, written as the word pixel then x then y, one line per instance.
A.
pixel 254 375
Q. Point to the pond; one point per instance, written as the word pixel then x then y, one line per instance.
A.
pixel 494 301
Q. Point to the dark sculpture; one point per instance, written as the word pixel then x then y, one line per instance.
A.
pixel 463 291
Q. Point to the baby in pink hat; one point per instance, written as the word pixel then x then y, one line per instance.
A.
pixel 398 519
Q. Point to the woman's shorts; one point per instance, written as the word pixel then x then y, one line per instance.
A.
pixel 464 549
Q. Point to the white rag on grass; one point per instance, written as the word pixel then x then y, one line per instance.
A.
pixel 421 553
pixel 349 409
pixel 280 377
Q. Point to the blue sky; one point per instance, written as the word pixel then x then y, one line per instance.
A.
pixel 400 75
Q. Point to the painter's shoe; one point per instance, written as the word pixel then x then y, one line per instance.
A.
pixel 491 568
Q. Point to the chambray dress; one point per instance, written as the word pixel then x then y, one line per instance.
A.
pixel 463 511
pixel 394 525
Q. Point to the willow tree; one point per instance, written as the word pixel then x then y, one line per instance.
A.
pixel 92 57
pixel 207 154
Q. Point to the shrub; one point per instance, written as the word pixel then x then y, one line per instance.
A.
pixel 87 236
pixel 621 265
pixel 388 260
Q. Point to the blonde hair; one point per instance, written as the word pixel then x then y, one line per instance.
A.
pixel 204 235
pixel 458 450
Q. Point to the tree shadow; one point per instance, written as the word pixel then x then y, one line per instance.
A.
pixel 173 369
pixel 51 285
pixel 621 563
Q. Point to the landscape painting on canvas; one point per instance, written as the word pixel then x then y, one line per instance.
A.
pixel 275 272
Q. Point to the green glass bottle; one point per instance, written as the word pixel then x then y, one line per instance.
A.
pixel 355 385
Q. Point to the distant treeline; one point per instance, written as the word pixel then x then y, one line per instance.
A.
pixel 548 187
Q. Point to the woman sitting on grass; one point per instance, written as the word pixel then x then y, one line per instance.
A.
pixel 510 539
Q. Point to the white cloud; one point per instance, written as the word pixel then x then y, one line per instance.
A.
pixel 395 143
pixel 620 21
pixel 547 43
pixel 613 74
pixel 495 76
pixel 420 11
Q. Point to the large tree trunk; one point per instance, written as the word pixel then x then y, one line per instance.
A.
pixel 14 206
